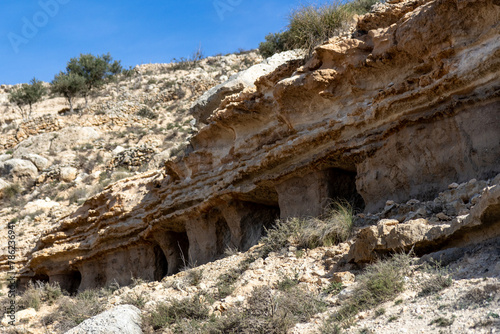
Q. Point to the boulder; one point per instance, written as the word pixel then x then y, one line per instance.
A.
pixel 40 162
pixel 68 174
pixel 56 142
pixel 18 169
pixel 210 100
pixel 4 184
pixel 39 205
pixel 123 319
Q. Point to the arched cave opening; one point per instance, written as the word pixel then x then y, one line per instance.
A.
pixel 161 264
pixel 223 234
pixel 74 279
pixel 342 187
pixel 39 277
pixel 256 222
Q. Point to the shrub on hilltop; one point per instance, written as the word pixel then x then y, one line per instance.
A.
pixel 310 25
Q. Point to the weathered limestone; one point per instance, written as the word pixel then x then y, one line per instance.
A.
pixel 18 170
pixel 123 319
pixel 396 113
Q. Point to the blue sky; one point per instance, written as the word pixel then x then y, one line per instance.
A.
pixel 38 37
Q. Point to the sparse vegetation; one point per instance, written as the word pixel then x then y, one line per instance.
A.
pixel 69 85
pixel 310 25
pixel 334 227
pixel 226 281
pixel 39 293
pixel 27 95
pixel 147 113
pixel 334 288
pixel 439 279
pixel 441 322
pixel 138 299
pixel 173 311
pixel 381 282
pixel 11 194
pixel 73 311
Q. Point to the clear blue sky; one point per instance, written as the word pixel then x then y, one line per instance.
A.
pixel 38 37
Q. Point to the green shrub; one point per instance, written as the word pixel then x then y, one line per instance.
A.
pixel 73 311
pixel 310 25
pixel 175 310
pixel 147 113
pixel 441 322
pixel 330 229
pixel 195 276
pixel 137 299
pixel 10 194
pixel 334 288
pixel 439 280
pixel 78 194
pixel 287 283
pixel 381 282
pixel 39 293
pixel 269 312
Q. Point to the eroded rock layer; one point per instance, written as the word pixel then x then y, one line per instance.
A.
pixel 398 112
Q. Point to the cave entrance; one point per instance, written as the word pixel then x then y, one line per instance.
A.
pixel 161 264
pixel 40 278
pixel 223 235
pixel 342 188
pixel 74 279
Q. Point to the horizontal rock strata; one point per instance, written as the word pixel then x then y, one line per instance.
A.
pixel 408 106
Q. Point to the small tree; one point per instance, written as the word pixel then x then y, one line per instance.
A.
pixel 28 95
pixel 69 85
pixel 94 69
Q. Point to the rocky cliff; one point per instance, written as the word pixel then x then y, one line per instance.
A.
pixel 387 118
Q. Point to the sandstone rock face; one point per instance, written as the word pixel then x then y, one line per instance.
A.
pixel 18 169
pixel 59 141
pixel 123 319
pixel 480 223
pixel 211 99
pixel 397 113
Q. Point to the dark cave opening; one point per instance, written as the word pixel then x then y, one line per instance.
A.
pixel 161 264
pixel 342 188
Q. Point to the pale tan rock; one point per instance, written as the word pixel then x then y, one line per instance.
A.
pixel 68 174
pixel 344 277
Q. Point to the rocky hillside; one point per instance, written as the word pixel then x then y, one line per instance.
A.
pixel 180 168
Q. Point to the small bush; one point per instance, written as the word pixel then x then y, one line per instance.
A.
pixel 441 322
pixel 379 312
pixel 175 310
pixel 77 194
pixel 330 229
pixel 11 193
pixel 137 299
pixel 287 283
pixel 310 25
pixel 195 276
pixel 334 288
pixel 39 293
pixel 73 311
pixel 381 282
pixel 268 312
pixel 147 113
pixel 439 280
